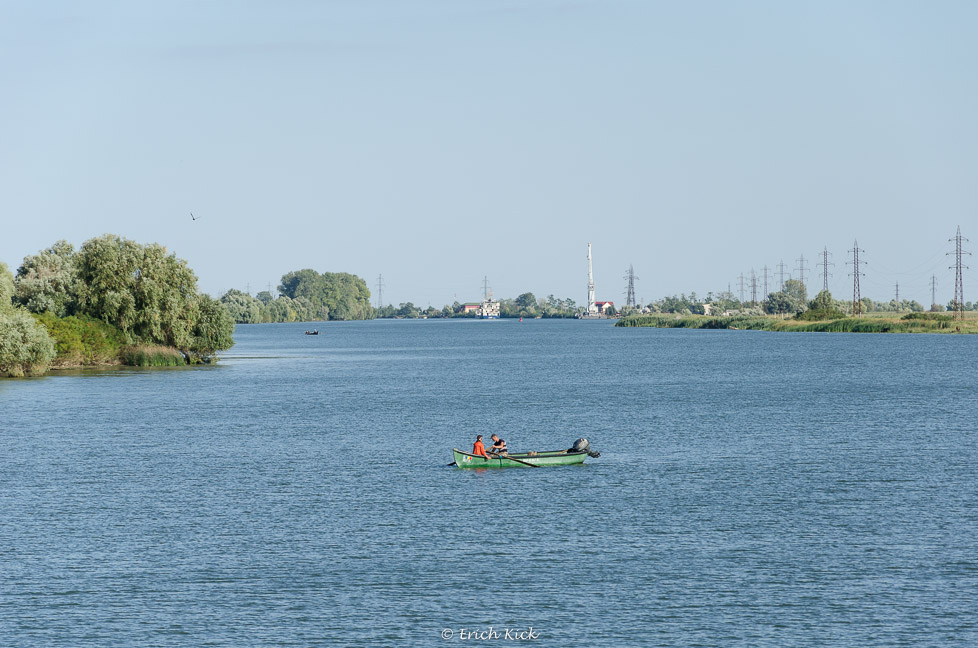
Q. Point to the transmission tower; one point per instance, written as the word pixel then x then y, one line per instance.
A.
pixel 766 293
pixel 380 291
pixel 958 282
pixel 630 293
pixel 485 288
pixel 825 263
pixel 781 274
pixel 741 278
pixel 933 291
pixel 898 294
pixel 753 287
pixel 801 269
pixel 857 305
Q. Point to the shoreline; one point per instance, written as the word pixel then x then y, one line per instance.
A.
pixel 917 323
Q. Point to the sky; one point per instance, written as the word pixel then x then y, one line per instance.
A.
pixel 440 142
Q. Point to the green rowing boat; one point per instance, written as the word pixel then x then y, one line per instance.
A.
pixel 549 458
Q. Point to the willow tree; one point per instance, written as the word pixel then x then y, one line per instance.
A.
pixel 147 293
pixel 212 329
pixel 47 282
pixel 6 288
pixel 243 308
pixel 25 346
pixel 150 295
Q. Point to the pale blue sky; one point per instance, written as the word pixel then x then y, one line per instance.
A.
pixel 440 141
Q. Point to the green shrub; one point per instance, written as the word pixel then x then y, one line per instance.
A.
pixel 933 317
pixel 83 340
pixel 26 349
pixel 818 314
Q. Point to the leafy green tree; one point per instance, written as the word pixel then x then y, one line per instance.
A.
pixel 674 304
pixel 212 330
pixel 296 281
pixel 151 296
pixel 723 301
pixel 780 303
pixel 408 310
pixel 243 308
pixel 822 301
pixel 143 290
pixel 797 292
pixel 265 297
pixel 47 282
pixel 6 288
pixel 332 295
pixel 525 302
pixel 26 349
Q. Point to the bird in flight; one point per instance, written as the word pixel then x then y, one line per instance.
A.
pixel 192 217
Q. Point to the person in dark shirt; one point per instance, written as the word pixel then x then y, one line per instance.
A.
pixel 498 446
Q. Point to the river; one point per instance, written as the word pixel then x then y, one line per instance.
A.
pixel 753 488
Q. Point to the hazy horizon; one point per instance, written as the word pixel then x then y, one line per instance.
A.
pixel 437 142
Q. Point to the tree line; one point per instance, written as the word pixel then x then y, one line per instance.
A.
pixel 791 300
pixel 525 305
pixel 110 295
pixel 304 296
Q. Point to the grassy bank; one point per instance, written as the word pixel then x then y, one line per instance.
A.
pixel 151 356
pixel 878 323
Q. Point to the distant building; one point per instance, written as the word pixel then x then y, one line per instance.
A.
pixel 471 307
pixel 603 306
pixel 489 309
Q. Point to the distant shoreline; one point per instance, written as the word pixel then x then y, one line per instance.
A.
pixel 912 323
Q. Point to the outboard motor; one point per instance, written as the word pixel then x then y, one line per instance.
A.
pixel 582 445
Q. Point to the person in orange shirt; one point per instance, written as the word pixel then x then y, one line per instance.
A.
pixel 478 449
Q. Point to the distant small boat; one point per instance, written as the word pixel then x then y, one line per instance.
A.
pixel 316 332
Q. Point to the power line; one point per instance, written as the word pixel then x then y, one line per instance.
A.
pixel 380 291
pixel 753 287
pixel 801 269
pixel 781 274
pixel 741 278
pixel 825 263
pixel 630 293
pixel 857 305
pixel 958 279
pixel 933 291
pixel 766 293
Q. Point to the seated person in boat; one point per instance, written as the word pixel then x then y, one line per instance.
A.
pixel 498 446
pixel 478 449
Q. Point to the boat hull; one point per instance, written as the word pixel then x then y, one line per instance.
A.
pixel 548 458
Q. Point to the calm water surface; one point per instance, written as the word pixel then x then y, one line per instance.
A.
pixel 753 488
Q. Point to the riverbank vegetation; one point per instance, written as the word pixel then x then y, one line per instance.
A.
pixel 877 323
pixel 111 301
